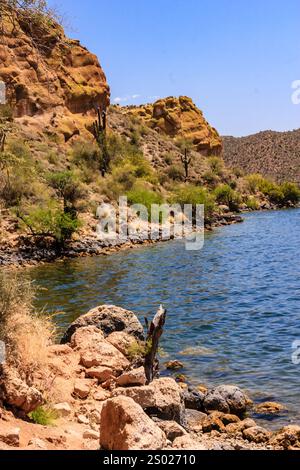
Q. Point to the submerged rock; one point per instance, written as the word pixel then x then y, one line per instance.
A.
pixel 108 319
pixel 228 399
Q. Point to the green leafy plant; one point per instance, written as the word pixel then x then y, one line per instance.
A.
pixel 224 194
pixel 44 415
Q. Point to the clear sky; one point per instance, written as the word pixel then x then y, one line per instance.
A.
pixel 237 59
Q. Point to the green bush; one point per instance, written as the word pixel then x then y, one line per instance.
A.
pixel 216 165
pixel 291 192
pixel 174 172
pixel 50 221
pixel 224 194
pixel 44 415
pixel 66 186
pixel 252 203
pixel 141 195
pixel 190 194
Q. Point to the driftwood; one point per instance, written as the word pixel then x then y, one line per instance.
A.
pixel 155 330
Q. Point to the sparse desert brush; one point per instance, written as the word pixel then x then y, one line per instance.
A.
pixel 44 415
pixel 26 332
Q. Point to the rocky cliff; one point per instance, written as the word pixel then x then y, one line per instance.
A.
pixel 180 118
pixel 51 89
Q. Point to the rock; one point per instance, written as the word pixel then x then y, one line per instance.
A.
pixel 174 365
pixel 163 397
pixel 213 423
pixel 108 319
pixel 132 377
pixel 239 427
pixel 102 374
pixel 257 434
pixel 228 399
pixel 180 118
pixel 96 352
pixel 57 91
pixel 171 429
pixel 187 443
pixel 15 392
pixel 125 426
pixel 287 437
pixel 121 341
pixel 194 419
pixel 11 438
pixel 101 395
pixel 82 387
pixel 269 408
pixel 90 434
pixel 37 444
pixel 82 419
pixel 63 410
pixel 193 399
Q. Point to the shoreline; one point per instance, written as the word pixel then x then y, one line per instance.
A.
pixel 32 256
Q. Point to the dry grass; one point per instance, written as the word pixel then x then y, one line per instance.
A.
pixel 26 333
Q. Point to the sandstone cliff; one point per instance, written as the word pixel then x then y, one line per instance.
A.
pixel 180 118
pixel 52 89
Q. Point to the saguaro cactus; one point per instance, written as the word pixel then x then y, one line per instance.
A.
pixel 99 131
pixel 186 161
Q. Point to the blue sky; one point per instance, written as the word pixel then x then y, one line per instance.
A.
pixel 237 59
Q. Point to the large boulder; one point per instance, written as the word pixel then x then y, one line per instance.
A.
pixel 125 426
pixel 287 437
pixel 95 351
pixel 193 399
pixel 163 398
pixel 228 399
pixel 15 392
pixel 108 319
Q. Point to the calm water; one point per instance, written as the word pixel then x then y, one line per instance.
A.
pixel 233 308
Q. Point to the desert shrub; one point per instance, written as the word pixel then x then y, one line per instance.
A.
pixel 142 195
pixel 169 158
pixel 210 178
pixel 224 194
pixel 26 332
pixel 291 192
pixel 85 154
pixel 6 113
pixel 66 186
pixel 19 148
pixel 257 182
pixel 252 203
pixel 184 144
pixel 44 415
pixel 174 172
pixel 216 165
pixel 50 222
pixel 190 194
pixel 17 179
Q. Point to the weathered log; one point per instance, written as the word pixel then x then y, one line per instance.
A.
pixel 155 330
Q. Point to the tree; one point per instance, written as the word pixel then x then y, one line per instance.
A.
pixel 67 188
pixel 40 22
pixel 186 160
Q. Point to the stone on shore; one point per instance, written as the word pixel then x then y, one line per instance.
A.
pixel 163 397
pixel 63 410
pixel 11 437
pixel 15 392
pixel 257 434
pixel 193 399
pixel 108 319
pixel 95 351
pixel 187 443
pixel 171 429
pixel 132 378
pixel 228 399
pixel 287 437
pixel 125 426
pixel 121 341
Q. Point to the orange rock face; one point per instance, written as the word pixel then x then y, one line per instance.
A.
pixel 180 118
pixel 59 86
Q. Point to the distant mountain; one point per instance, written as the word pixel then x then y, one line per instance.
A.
pixel 273 154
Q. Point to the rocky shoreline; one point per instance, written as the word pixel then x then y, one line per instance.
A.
pixel 95 383
pixel 27 253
